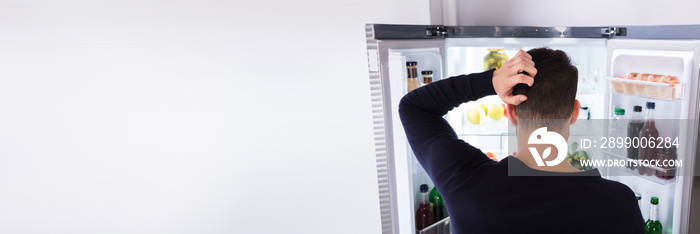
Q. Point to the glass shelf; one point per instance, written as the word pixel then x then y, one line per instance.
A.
pixel 441 227
pixel 586 88
pixel 489 128
pixel 582 127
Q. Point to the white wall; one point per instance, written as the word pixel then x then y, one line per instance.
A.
pixel 189 116
pixel 576 13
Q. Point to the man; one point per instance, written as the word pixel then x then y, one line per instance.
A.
pixel 539 88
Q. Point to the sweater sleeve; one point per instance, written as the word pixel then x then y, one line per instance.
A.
pixel 433 141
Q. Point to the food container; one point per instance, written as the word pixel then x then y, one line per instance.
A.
pixel 664 154
pixel 650 90
pixel 640 89
pixel 427 77
pixel 627 87
pixel 495 59
pixel 617 86
pixel 648 85
pixel 668 92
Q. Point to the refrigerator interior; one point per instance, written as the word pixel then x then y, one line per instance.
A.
pixel 597 60
pixel 465 56
pixel 672 58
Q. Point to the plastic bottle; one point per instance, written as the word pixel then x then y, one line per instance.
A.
pixel 648 133
pixel 617 130
pixel 633 127
pixel 424 215
pixel 618 114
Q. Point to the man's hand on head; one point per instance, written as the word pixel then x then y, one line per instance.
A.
pixel 518 70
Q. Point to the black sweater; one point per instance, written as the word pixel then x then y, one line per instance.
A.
pixel 482 198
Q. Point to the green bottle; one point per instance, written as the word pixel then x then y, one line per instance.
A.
pixel 438 205
pixel 653 226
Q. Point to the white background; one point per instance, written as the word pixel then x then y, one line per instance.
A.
pixel 189 116
pixel 211 116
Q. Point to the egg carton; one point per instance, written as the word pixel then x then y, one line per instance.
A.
pixel 648 85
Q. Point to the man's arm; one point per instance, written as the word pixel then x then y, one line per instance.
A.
pixel 435 144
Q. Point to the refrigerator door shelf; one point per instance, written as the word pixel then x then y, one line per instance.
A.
pixel 617 171
pixel 648 89
pixel 440 227
pixel 398 174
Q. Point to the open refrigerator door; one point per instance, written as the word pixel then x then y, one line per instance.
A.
pixel 399 173
pixel 409 173
pixel 663 72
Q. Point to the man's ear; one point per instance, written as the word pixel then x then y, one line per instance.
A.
pixel 510 114
pixel 574 114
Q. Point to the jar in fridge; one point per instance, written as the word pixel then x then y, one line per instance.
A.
pixel 495 59
pixel 412 76
pixel 427 77
pixel 666 154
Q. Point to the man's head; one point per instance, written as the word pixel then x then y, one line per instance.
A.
pixel 553 93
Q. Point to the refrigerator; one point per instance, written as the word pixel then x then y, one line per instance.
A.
pixel 604 56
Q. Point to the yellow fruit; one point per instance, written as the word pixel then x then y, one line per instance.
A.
pixel 496 111
pixel 486 109
pixel 475 115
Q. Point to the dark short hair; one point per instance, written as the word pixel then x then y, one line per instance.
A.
pixel 553 93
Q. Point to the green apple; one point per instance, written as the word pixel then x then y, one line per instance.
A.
pixel 496 111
